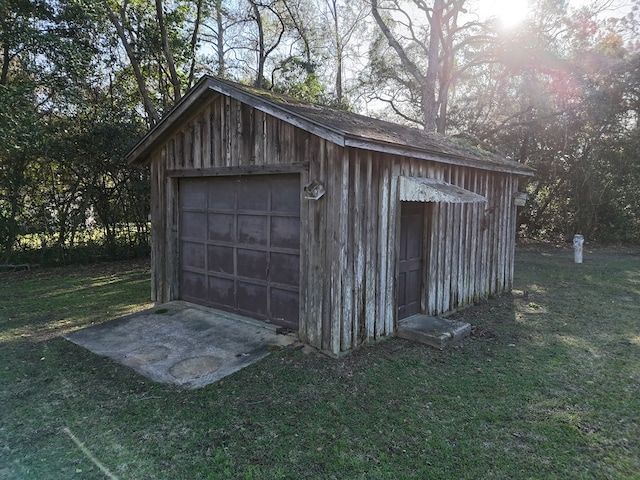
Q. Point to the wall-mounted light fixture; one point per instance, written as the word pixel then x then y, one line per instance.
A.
pixel 314 190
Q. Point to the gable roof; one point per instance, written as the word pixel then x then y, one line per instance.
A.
pixel 340 127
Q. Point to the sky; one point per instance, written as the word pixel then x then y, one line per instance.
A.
pixel 511 12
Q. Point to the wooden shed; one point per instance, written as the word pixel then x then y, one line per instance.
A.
pixel 330 223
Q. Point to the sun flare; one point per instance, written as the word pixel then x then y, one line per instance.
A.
pixel 509 12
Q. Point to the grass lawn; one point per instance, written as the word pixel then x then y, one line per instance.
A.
pixel 548 386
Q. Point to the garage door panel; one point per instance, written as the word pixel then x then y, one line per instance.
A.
pixel 240 243
pixel 252 298
pixel 194 284
pixel 221 195
pixel 194 255
pixel 194 225
pixel 220 259
pixel 285 232
pixel 193 194
pixel 253 194
pixel 222 227
pixel 252 263
pixel 222 292
pixel 285 269
pixel 252 229
pixel 285 199
pixel 284 306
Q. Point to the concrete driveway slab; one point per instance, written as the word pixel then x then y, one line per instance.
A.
pixel 182 344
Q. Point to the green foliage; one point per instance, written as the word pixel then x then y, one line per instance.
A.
pixel 63 138
pixel 562 97
pixel 298 79
pixel 560 93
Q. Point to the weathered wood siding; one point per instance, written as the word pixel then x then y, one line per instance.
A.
pixel 349 238
pixel 468 247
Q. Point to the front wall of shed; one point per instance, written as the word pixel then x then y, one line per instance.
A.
pixel 349 237
pixel 226 137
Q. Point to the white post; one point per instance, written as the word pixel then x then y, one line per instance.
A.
pixel 578 241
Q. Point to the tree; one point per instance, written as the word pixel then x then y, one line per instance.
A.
pixel 344 23
pixel 270 28
pixel 426 40
pixel 160 50
pixel 41 51
pixel 561 96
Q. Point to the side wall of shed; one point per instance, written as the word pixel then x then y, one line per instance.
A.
pixel 468 248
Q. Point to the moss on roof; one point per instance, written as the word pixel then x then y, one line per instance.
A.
pixel 370 129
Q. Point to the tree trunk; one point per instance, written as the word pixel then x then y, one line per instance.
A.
pixel 261 49
pixel 152 113
pixel 429 99
pixel 339 52
pixel 220 39
pixel 171 64
pixel 426 81
pixel 5 64
pixel 194 42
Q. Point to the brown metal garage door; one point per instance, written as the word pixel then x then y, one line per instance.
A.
pixel 240 245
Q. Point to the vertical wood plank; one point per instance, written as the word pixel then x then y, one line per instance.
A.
pixel 236 129
pixel 509 231
pixel 371 239
pixel 217 133
pixel 459 244
pixel 227 132
pixel 332 336
pixel 359 311
pixel 247 135
pixel 383 256
pixel 315 312
pixel 513 231
pixel 432 271
pixel 474 242
pixel 206 137
pixel 501 243
pixel 187 150
pixel 391 311
pixel 486 238
pixel 179 151
pixel 158 226
pixel 172 250
pixel 353 247
pixel 464 243
pixel 306 262
pixel 448 234
pixel 345 258
pixel 259 120
pixel 455 242
pixel 197 142
pixel 496 230
pixel 328 280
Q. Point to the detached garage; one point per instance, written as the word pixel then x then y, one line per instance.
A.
pixel 326 222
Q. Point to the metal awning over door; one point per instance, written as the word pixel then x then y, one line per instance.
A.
pixel 419 189
pixel 240 245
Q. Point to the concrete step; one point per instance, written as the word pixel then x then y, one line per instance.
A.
pixel 433 331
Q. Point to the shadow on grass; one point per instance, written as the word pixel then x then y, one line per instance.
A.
pixel 42 304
